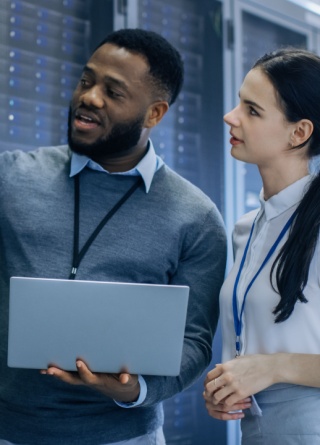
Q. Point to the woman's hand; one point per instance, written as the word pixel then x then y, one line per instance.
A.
pixel 233 382
pixel 228 385
pixel 221 411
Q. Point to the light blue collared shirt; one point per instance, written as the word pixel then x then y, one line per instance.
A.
pixel 146 168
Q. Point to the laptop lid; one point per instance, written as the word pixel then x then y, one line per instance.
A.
pixel 112 327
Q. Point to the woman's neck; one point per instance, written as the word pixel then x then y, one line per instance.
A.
pixel 274 180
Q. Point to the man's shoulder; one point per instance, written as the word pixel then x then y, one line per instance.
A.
pixel 183 201
pixel 46 155
pixel 53 150
pixel 182 188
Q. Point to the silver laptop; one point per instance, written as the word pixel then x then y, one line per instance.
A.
pixel 113 327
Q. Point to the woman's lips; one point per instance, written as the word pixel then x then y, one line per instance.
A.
pixel 235 141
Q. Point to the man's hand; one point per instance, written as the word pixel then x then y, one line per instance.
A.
pixel 121 387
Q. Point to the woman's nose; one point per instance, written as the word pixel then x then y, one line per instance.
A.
pixel 232 118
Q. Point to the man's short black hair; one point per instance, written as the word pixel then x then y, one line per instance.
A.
pixel 166 65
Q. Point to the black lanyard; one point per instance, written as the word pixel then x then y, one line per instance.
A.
pixel 78 255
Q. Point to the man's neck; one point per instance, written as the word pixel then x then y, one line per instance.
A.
pixel 122 163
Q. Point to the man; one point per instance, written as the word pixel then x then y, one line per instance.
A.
pixel 166 232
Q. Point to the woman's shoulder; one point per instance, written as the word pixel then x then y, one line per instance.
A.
pixel 244 224
pixel 242 229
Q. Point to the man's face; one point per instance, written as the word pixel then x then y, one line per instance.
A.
pixel 121 139
pixel 109 105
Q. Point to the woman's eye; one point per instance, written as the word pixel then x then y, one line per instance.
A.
pixel 253 112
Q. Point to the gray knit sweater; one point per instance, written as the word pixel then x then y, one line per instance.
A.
pixel 174 234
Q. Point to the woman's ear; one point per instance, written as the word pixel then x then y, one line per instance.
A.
pixel 303 131
pixel 155 113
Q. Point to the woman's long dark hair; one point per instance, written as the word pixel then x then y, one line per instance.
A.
pixel 295 75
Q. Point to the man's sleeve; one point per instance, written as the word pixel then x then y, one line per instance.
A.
pixel 141 398
pixel 202 267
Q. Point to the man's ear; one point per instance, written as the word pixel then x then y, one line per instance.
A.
pixel 155 113
pixel 302 132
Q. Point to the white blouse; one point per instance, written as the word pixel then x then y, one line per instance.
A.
pixel 301 332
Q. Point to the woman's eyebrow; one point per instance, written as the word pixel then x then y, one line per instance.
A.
pixel 254 104
pixel 251 102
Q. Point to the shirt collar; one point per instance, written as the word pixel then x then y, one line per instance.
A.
pixel 146 168
pixel 285 199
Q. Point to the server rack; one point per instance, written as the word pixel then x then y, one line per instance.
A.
pixel 252 28
pixel 42 53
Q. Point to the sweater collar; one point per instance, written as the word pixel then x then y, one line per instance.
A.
pixel 146 168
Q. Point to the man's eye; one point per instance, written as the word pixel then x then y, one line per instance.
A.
pixel 113 93
pixel 83 82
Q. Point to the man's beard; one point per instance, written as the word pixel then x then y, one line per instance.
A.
pixel 122 138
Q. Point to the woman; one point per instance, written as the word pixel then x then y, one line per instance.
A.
pixel 270 302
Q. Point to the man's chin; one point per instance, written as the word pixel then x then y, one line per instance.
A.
pixel 92 151
pixel 81 150
pixel 80 147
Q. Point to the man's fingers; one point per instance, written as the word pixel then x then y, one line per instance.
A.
pixel 124 378
pixel 85 374
pixel 122 386
pixel 68 377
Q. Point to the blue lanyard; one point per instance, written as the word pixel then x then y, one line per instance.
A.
pixel 238 320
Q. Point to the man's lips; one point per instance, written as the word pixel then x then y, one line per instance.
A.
pixel 86 120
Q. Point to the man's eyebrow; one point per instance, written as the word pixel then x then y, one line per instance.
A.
pixel 118 82
pixel 87 69
pixel 253 104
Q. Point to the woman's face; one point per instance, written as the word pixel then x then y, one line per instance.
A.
pixel 260 133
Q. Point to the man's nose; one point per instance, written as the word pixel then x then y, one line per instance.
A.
pixel 93 97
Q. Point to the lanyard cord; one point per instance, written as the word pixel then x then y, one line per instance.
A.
pixel 78 255
pixel 238 320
